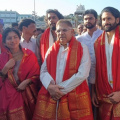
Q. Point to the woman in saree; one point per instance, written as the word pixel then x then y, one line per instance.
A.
pixel 19 77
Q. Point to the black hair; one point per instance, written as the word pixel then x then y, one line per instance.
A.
pixel 59 15
pixel 25 22
pixel 38 29
pixel 111 10
pixel 14 24
pixel 7 31
pixel 91 11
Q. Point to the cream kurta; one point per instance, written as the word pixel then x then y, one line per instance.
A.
pixel 75 80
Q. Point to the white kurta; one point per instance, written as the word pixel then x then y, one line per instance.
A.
pixel 51 40
pixel 89 41
pixel 75 80
pixel 109 51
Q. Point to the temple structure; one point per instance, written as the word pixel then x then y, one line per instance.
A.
pixel 80 10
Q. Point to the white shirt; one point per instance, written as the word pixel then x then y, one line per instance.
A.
pixel 77 36
pixel 51 40
pixel 31 45
pixel 109 51
pixel 75 80
pixel 89 41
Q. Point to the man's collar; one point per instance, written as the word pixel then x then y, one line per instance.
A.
pixel 22 39
pixel 66 47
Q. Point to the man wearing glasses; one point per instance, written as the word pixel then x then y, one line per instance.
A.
pixel 65 93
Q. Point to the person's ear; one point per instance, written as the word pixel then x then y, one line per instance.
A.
pixel 73 31
pixel 96 20
pixel 117 20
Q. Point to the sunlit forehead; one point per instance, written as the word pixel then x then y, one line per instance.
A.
pixel 88 16
pixel 52 16
pixel 63 28
pixel 107 15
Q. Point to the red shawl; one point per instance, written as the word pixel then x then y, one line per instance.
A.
pixel 73 52
pixel 102 84
pixel 44 43
pixel 12 102
pixel 101 65
pixel 73 105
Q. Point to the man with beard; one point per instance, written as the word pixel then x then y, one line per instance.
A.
pixel 47 39
pixel 88 38
pixel 107 51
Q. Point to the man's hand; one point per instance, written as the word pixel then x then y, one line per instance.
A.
pixel 55 92
pixel 94 97
pixel 95 100
pixel 114 97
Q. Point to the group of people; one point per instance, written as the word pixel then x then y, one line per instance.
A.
pixel 58 76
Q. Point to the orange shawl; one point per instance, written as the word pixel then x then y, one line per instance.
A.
pixel 108 110
pixel 44 43
pixel 73 105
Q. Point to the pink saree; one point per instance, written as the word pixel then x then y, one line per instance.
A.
pixel 15 105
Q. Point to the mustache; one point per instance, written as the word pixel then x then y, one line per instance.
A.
pixel 88 23
pixel 107 24
pixel 61 36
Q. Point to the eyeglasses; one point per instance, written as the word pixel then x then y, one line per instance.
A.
pixel 62 30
